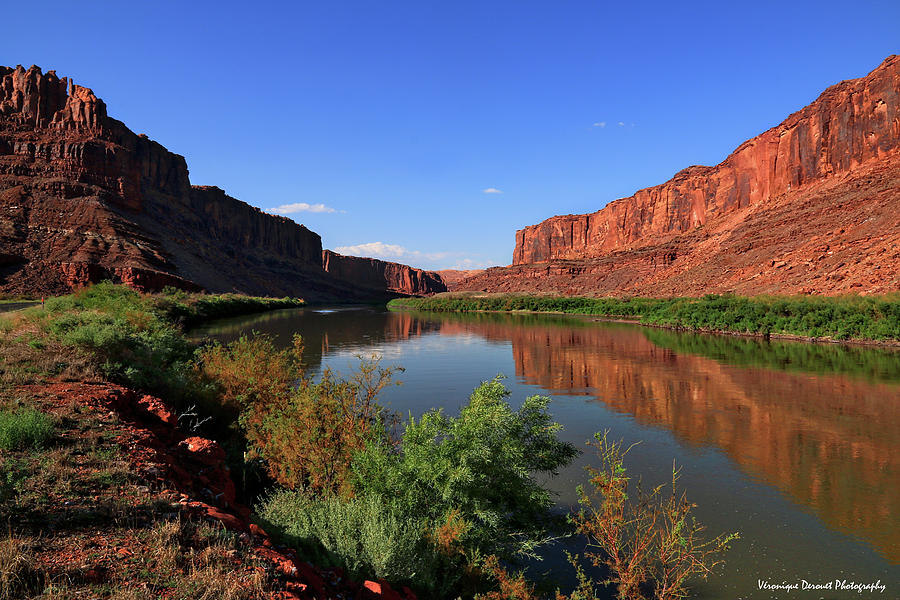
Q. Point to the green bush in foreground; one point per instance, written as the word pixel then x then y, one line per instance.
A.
pixel 365 535
pixel 475 469
pixel 24 428
pixel 432 507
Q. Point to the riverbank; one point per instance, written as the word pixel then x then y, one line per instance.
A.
pixel 844 319
pixel 122 491
pixel 137 464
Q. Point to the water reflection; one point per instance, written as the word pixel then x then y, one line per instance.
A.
pixel 819 422
pixel 830 441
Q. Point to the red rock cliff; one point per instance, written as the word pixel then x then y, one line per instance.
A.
pixel 851 124
pixel 382 275
pixel 83 198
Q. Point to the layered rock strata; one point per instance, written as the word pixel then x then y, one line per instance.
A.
pixel 735 227
pixel 381 275
pixel 83 198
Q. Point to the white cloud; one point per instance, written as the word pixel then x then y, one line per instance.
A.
pixel 286 209
pixel 426 260
pixel 468 264
pixel 621 124
pixel 600 124
pixel 391 251
pixel 375 249
pixel 491 190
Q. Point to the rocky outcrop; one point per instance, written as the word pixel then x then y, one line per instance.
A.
pixel 453 276
pixel 381 275
pixel 850 124
pixel 83 198
pixel 804 207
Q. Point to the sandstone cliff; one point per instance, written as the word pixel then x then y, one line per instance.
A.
pixel 381 275
pixel 453 276
pixel 850 124
pixel 83 198
pixel 835 158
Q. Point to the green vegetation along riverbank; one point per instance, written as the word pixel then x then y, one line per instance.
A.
pixel 120 441
pixel 842 318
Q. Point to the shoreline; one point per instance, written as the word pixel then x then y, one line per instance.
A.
pixel 886 343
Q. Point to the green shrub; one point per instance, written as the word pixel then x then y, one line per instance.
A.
pixel 24 428
pixel 473 473
pixel 839 318
pixel 366 536
pixel 431 509
pixel 648 540
pixel 136 349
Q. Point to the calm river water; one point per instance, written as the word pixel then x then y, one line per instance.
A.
pixel 793 445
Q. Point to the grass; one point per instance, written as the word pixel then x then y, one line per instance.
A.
pixel 18 578
pixel 78 520
pixel 24 428
pixel 857 318
pixel 191 309
pixel 430 508
pixel 17 298
pixel 871 364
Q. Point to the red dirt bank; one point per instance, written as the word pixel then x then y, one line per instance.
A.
pixel 191 471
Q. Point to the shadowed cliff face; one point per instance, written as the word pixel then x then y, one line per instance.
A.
pixel 826 440
pixel 83 199
pixel 381 275
pixel 786 212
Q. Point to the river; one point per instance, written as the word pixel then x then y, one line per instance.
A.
pixel 794 445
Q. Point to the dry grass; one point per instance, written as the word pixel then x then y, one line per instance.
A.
pixel 203 560
pixel 29 355
pixel 18 578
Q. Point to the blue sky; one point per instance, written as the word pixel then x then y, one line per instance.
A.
pixel 428 132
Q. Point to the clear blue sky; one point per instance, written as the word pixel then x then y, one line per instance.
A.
pixel 399 115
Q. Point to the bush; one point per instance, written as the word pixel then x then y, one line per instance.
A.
pixel 137 339
pixel 250 375
pixel 132 345
pixel 306 432
pixel 472 474
pixel 648 540
pixel 429 510
pixel 365 536
pixel 24 428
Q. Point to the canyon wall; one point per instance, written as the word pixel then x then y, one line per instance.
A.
pixel 83 198
pixel 850 124
pixel 381 275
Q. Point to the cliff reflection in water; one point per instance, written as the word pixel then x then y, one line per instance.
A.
pixel 819 422
pixel 829 441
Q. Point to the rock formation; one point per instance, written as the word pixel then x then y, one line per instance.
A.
pixel 452 276
pixel 380 275
pixel 801 207
pixel 83 198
